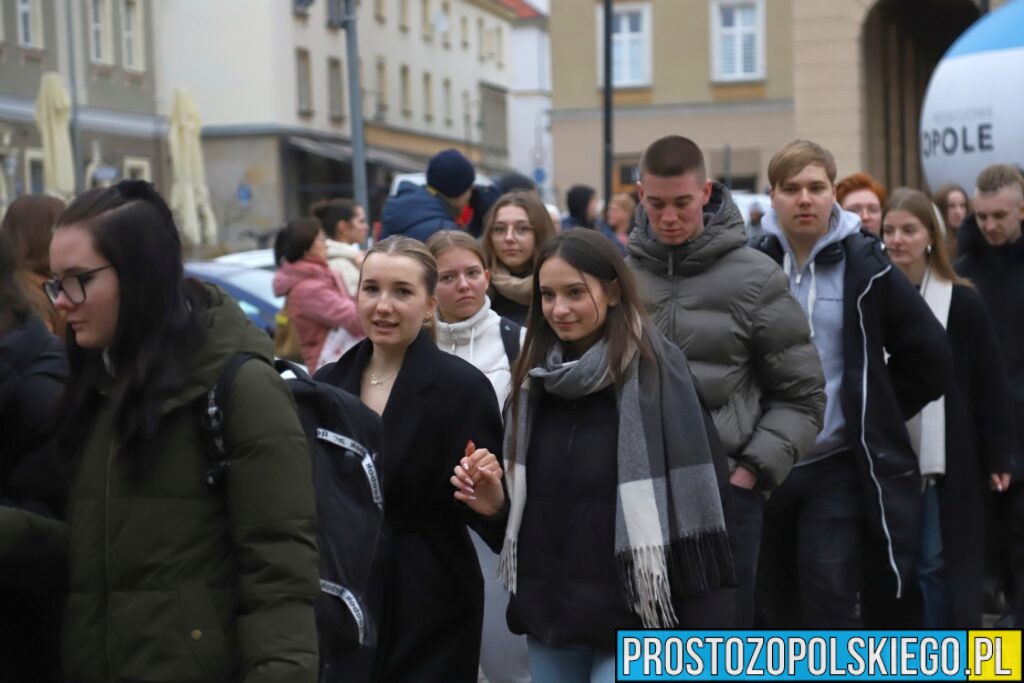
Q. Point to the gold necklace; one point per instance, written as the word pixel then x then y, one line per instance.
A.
pixel 379 382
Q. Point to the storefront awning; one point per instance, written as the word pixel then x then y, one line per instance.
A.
pixel 342 151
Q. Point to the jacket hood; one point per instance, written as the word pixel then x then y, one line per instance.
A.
pixel 724 230
pixel 228 333
pixel 290 274
pixel 411 206
pixel 970 242
pixel 841 224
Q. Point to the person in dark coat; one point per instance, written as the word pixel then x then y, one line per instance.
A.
pixel 885 357
pixel 581 206
pixel 964 441
pixel 604 532
pixel 992 257
pixel 33 369
pixel 437 409
pixel 419 211
pixel 515 230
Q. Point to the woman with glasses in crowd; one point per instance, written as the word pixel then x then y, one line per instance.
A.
pixel 437 410
pixel 469 329
pixel 615 518
pixel 515 230
pixel 177 570
pixel 863 195
pixel 963 440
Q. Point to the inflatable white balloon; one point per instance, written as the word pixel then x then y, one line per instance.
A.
pixel 973 112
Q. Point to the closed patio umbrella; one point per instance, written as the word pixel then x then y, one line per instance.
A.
pixel 190 197
pixel 53 115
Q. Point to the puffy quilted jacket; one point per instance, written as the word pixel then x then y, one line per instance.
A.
pixel 747 340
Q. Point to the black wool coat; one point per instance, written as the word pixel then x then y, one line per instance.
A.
pixel 979 441
pixel 998 274
pixel 883 314
pixel 33 369
pixel 430 578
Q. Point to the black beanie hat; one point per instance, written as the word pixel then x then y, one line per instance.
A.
pixel 450 173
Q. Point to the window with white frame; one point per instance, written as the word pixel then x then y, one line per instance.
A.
pixel 447 102
pixel 133 46
pixel 335 89
pixel 30 24
pixel 137 168
pixel 304 80
pixel 737 40
pixel 382 85
pixel 101 48
pixel 631 44
pixel 406 90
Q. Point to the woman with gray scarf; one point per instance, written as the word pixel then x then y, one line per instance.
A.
pixel 615 514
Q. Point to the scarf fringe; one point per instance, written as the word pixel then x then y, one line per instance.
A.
pixel 697 565
pixel 507 563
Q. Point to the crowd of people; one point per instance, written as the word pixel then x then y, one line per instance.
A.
pixel 651 415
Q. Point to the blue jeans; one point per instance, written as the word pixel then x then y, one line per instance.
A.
pixel 569 663
pixel 930 564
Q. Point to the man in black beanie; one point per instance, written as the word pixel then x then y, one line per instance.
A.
pixel 581 202
pixel 418 212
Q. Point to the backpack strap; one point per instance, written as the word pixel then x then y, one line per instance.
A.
pixel 209 409
pixel 510 331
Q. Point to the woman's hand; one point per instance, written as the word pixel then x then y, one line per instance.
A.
pixel 999 481
pixel 477 481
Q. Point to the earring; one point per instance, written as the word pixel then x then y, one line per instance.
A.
pixel 928 249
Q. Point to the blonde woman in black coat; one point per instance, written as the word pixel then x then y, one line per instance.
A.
pixel 438 411
pixel 964 440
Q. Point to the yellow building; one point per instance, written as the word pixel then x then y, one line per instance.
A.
pixel 743 77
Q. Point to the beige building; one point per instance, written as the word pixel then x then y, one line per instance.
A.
pixel 111 49
pixel 271 82
pixel 743 77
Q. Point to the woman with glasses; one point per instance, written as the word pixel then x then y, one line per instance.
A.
pixel 177 570
pixel 318 304
pixel 33 368
pixel 863 195
pixel 515 230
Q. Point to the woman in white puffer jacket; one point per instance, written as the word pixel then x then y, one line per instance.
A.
pixel 468 328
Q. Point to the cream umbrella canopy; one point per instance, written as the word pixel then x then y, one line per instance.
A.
pixel 190 197
pixel 53 114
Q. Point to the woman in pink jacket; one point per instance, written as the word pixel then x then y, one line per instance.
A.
pixel 318 304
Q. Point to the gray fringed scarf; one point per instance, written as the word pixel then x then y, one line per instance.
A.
pixel 670 536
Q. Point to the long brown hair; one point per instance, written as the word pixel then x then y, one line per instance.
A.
pixel 920 206
pixel 536 213
pixel 28 224
pixel 593 254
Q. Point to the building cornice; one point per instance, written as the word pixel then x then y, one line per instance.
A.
pixel 496 8
pixel 661 110
pixel 91 118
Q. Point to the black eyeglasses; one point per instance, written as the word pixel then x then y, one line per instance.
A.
pixel 73 286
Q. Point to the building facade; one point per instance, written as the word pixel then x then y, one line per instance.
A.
pixel 104 54
pixel 274 97
pixel 743 77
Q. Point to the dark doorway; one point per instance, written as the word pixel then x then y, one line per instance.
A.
pixel 903 41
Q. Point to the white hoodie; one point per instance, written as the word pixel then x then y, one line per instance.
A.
pixel 477 340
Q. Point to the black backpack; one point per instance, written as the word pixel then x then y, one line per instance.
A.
pixel 510 331
pixel 345 438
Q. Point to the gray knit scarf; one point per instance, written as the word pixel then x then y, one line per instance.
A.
pixel 670 536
